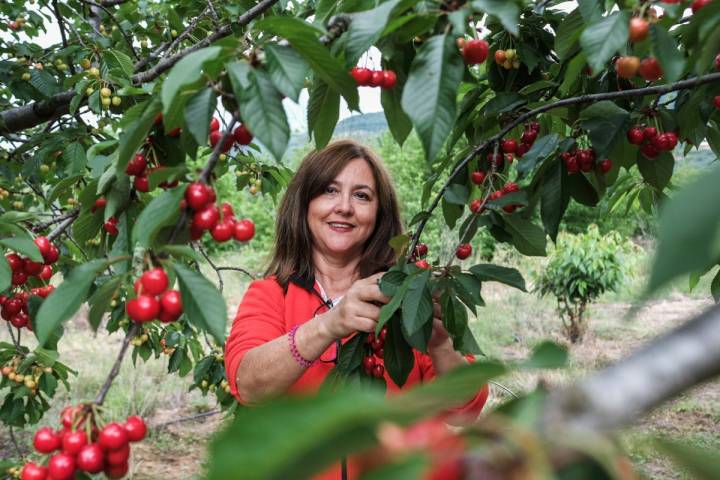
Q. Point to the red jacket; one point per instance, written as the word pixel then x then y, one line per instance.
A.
pixel 266 312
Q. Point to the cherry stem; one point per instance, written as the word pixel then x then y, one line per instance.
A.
pixel 588 98
pixel 132 331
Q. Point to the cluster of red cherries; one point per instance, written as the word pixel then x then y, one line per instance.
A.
pixel 365 77
pixel 373 362
pixel 154 300
pixel 15 309
pixel 584 160
pixel 241 135
pixel 220 222
pixel 651 142
pixel 527 139
pixel 137 167
pixel 83 447
pixel 477 206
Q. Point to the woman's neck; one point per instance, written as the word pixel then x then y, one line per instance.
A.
pixel 334 274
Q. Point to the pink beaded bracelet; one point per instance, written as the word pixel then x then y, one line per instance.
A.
pixel 294 350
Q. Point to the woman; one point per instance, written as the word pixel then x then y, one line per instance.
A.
pixel 333 228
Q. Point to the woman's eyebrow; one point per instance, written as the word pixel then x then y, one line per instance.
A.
pixel 356 186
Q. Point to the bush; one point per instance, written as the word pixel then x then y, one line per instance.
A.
pixel 581 268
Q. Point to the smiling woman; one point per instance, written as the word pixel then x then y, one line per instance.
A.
pixel 321 287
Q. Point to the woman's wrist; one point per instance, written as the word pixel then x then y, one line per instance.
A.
pixel 320 323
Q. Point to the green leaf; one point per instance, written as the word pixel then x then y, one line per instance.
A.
pixel 183 251
pixel 417 304
pixel 554 199
pixel 468 289
pixel 454 317
pixel 203 304
pixel 399 358
pixel 667 53
pixel 715 287
pixel 75 159
pixel 601 40
pixel 541 149
pixel 100 301
pixel 66 299
pixel 116 59
pixel 656 171
pixel 701 463
pixel 304 39
pixel 163 210
pixel 606 124
pixel 547 355
pixel 287 69
pixel 506 11
pixel 399 123
pixel 527 237
pixel 185 72
pixel 408 467
pixel 87 226
pixel 688 230
pixel 429 96
pixel 457 194
pixel 389 309
pixel 262 111
pixel 365 29
pixel 44 82
pixel 134 136
pixel 60 187
pixel 23 246
pixel 323 112
pixel 5 274
pixel 488 272
pixel 568 35
pixel 198 113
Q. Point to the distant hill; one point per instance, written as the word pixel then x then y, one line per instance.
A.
pixel 363 127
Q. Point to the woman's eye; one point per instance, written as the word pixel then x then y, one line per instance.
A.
pixel 362 195
pixel 330 190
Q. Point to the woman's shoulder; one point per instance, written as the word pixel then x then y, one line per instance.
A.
pixel 267 285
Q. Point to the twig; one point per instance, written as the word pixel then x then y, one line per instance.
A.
pixel 112 3
pixel 15 443
pixel 16 341
pixel 237 269
pixel 212 10
pixel 589 98
pixel 112 17
pixel 186 419
pixel 61 228
pixel 503 387
pixel 132 331
pixel 61 26
pixel 207 258
pixel 42 226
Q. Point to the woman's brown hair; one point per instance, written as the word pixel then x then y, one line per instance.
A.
pixel 292 252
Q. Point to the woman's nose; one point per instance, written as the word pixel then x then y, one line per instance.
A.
pixel 344 205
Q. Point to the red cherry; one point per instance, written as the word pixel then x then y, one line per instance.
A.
pixel 144 308
pixel 423 264
pixel 421 249
pixel 20 320
pixel 376 78
pixel 509 146
pixel 511 188
pixel 478 177
pixel 639 28
pixel 244 230
pixel 135 428
pixel 716 101
pixel 207 218
pixel 672 139
pixel 215 138
pixel 118 457
pixel 12 306
pixel 510 208
pixel 3 300
pixel 377 344
pixel 635 135
pixel 661 142
pixel 368 362
pixel 137 165
pixel 650 69
pixel 15 261
pixel 362 76
pixel 649 133
pixel 585 160
pixel 142 183
pixel 529 136
pixel 698 4
pixel 116 471
pixel 389 79
pixel 155 281
pixel 383 333
pixel 475 51
pixel 19 278
pixel 61 466
pixel 496 194
pixel 214 125
pixel 463 251
pixel 90 458
pixel 32 471
pixel 171 305
pixel 649 150
pixel 175 132
pixel 476 206
pixel 378 371
pixel 46 440
pixel 223 231
pixel 158 119
pixel 197 195
pixel 196 232
pixel 113 436
pixel 717 62
pixel 521 150
pixel 52 255
pixel 226 210
pixel 242 135
pixel 605 165
pixel 73 442
pixel 32 268
pixel 111 226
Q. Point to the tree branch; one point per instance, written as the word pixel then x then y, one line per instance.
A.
pixel 237 269
pixel 42 226
pixel 132 331
pixel 595 97
pixel 64 225
pixel 214 267
pixel 33 114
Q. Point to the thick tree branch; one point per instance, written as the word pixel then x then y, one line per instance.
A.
pixel 616 396
pixel 132 331
pixel 63 225
pixel 595 97
pixel 33 114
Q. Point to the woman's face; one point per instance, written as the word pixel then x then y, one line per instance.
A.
pixel 343 217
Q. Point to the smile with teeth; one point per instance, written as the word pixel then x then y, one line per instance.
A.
pixel 340 226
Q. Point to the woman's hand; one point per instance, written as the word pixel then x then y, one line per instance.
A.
pixel 358 310
pixel 440 337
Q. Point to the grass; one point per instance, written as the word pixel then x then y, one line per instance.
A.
pixel 507 328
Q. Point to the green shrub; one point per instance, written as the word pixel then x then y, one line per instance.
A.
pixel 580 269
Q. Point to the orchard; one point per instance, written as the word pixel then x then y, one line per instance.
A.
pixel 119 119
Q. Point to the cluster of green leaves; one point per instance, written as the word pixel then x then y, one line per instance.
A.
pixel 582 267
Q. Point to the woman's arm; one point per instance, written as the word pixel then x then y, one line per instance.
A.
pixel 440 348
pixel 270 369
